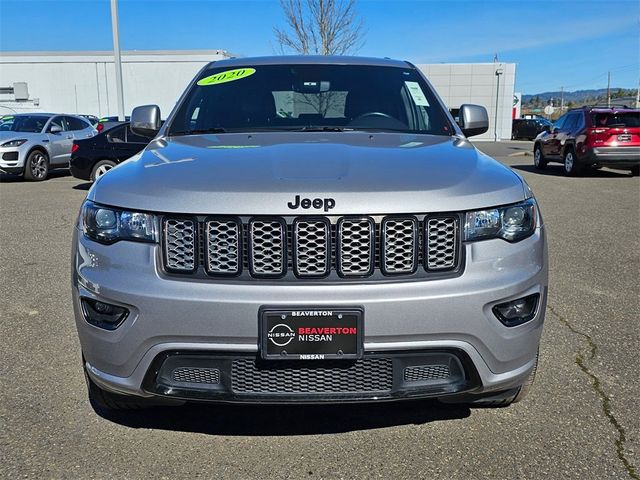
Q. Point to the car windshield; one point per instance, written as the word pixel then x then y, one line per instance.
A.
pixel 618 119
pixel 310 98
pixel 25 123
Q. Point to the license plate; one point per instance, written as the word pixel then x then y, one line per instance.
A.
pixel 624 138
pixel 311 333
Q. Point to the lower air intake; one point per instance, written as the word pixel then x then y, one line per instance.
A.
pixel 196 375
pixel 422 373
pixel 366 375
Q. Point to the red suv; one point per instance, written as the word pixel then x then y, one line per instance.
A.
pixel 592 137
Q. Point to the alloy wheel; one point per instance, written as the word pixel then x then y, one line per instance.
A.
pixel 39 166
pixel 102 169
pixel 568 162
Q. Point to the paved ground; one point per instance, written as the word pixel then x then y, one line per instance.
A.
pixel 580 422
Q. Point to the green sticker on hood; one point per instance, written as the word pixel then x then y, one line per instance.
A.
pixel 228 76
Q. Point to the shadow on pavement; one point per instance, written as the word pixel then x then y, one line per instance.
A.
pixel 271 420
pixel 558 171
pixel 14 178
pixel 82 186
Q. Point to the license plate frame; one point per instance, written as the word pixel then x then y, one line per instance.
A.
pixel 279 333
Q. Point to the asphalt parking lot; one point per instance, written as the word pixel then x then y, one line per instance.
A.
pixel 580 422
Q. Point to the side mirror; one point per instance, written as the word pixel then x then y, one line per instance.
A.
pixel 55 129
pixel 546 128
pixel 145 120
pixel 473 120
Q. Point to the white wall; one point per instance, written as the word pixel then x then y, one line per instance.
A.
pixel 85 82
pixel 459 83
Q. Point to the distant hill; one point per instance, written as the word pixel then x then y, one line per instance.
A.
pixel 580 96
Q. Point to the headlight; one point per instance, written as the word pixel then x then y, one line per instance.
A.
pixel 108 225
pixel 14 143
pixel 511 223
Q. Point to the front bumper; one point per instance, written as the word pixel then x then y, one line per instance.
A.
pixel 202 375
pixel 221 318
pixel 12 158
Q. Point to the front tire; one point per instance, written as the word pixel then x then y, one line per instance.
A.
pixel 36 167
pixel 571 166
pixel 538 158
pixel 100 168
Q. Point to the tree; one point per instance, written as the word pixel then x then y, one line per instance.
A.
pixel 320 27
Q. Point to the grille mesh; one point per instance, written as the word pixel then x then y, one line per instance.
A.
pixel 366 375
pixel 311 253
pixel 267 247
pixel 223 246
pixel 196 375
pixel 311 246
pixel 441 243
pixel 399 245
pixel 426 372
pixel 179 244
pixel 355 237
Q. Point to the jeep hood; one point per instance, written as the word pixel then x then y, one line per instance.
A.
pixel 260 173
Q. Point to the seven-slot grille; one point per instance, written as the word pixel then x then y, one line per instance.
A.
pixel 312 246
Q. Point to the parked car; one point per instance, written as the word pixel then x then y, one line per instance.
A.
pixel 34 143
pixel 309 229
pixel 528 129
pixel 93 120
pixel 592 136
pixel 105 123
pixel 93 157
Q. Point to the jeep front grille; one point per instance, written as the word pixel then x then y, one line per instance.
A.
pixel 400 241
pixel 441 243
pixel 313 247
pixel 268 246
pixel 356 246
pixel 179 244
pixel 223 246
pixel 312 253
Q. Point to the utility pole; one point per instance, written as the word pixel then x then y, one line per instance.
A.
pixel 561 100
pixel 638 96
pixel 609 89
pixel 495 125
pixel 117 59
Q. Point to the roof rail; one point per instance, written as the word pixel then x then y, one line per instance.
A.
pixel 613 105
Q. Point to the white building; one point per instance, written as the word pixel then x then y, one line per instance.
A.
pixel 84 82
pixel 459 83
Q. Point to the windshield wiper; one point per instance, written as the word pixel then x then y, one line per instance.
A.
pixel 199 131
pixel 319 128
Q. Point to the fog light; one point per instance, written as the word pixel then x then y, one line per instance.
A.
pixel 517 312
pixel 103 315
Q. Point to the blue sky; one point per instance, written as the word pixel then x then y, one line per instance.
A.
pixel 555 43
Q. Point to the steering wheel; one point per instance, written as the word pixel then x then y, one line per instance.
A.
pixel 372 114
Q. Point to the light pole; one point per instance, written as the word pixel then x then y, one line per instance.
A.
pixel 117 60
pixel 495 122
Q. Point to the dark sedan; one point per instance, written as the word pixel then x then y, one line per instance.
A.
pixel 529 128
pixel 95 156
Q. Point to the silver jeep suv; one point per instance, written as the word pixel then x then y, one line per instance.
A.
pixel 309 229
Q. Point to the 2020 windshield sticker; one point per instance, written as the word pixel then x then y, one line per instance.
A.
pixel 227 76
pixel 417 94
